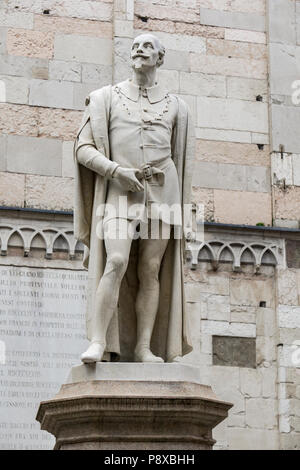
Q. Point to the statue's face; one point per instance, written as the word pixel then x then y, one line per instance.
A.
pixel 145 52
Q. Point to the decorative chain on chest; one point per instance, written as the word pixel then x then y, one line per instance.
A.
pixel 155 116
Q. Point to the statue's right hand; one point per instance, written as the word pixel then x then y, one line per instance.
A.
pixel 128 178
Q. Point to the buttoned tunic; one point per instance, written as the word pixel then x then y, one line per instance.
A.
pixel 142 123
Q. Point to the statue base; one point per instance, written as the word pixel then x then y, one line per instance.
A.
pixel 126 406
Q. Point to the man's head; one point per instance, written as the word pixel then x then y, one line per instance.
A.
pixel 147 51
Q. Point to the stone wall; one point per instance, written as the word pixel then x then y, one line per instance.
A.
pixel 284 50
pixel 244 294
pixel 54 53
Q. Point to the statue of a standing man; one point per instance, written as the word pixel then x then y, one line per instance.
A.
pixel 136 142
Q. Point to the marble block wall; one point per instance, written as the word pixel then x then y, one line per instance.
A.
pixel 235 64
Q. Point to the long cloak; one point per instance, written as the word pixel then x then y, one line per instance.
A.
pixel 171 335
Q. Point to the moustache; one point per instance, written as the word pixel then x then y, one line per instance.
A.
pixel 135 56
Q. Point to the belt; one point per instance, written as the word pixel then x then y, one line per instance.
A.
pixel 149 169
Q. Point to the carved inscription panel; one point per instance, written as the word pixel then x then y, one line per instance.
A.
pixel 42 333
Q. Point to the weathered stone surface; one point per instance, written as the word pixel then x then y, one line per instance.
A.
pixel 221 328
pixel 257 138
pixel 51 94
pixel 190 29
pixel 251 385
pixel 199 30
pixel 232 114
pixel 285 128
pixel 69 25
pixel 24 66
pixel 293 255
pixel 236 49
pixel 266 350
pixel 296 169
pixel 218 308
pixel 68 159
pixel 297 22
pixel 122 69
pixel 18 119
pixel 251 292
pixel 174 61
pixel 12 189
pixel 234 67
pixel 257 6
pixel 98 74
pixel 2 40
pixel 247 21
pixel 32 154
pixel 17 89
pixel 282 12
pixel 268 381
pixel 169 79
pixel 230 207
pixel 234 351
pixel 58 123
pixel 123 28
pixel 3 152
pixel 266 322
pixel 165 13
pixel 290 442
pixel 290 337
pixel 289 316
pixel 228 152
pixel 23 42
pixel 242 314
pixel 43 122
pixel 261 413
pixel 247 88
pixel 284 68
pixel 47 192
pixel 211 284
pixel 164 26
pixel 281 168
pixel 16 19
pixel 286 223
pixel 231 177
pixel 257 439
pixel 288 285
pixel 225 381
pixel 92 10
pixel 203 84
pixel 245 36
pixel 181 42
pixel 68 71
pixel 83 49
pixel 223 135
pixel 206 197
pixel 287 203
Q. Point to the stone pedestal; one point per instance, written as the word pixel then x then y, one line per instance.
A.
pixel 121 406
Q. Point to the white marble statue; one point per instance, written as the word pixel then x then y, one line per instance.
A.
pixel 135 143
